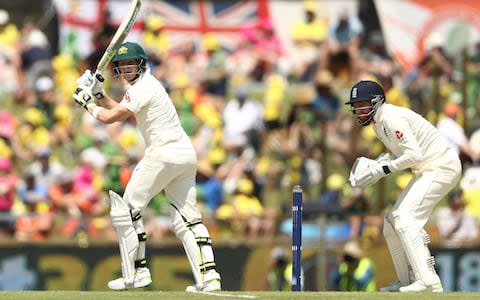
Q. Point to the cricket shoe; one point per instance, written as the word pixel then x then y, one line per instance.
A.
pixel 394 287
pixel 419 286
pixel 142 279
pixel 213 285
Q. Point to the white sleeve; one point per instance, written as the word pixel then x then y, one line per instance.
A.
pixel 403 136
pixel 134 100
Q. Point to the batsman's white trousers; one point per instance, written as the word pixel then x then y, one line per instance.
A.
pixel 171 167
pixel 425 190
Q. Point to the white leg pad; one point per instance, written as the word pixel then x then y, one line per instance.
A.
pixel 413 241
pixel 399 258
pixel 198 247
pixel 190 245
pixel 142 238
pixel 127 236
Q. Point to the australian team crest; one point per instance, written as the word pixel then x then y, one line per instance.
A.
pixel 122 50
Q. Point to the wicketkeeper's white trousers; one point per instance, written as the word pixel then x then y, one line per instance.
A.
pixel 410 213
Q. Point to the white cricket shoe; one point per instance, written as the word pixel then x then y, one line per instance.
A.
pixel 419 286
pixel 213 285
pixel 394 287
pixel 142 279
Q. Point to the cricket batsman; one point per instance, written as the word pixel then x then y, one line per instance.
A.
pixel 169 164
pixel 413 143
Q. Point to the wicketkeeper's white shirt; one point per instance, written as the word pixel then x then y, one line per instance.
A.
pixel 413 141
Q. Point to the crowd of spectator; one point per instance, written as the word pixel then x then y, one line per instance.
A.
pixel 261 119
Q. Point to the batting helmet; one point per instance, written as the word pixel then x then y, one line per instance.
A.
pixel 366 90
pixel 128 51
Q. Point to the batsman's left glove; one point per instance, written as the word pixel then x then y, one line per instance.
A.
pixel 91 81
pixel 83 96
pixel 373 173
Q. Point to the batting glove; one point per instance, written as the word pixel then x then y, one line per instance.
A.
pixel 91 81
pixel 372 174
pixel 83 96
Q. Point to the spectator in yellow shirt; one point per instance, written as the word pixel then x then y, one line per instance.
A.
pixel 308 35
pixel 155 39
pixel 244 210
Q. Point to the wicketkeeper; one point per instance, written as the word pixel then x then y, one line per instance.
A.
pixel 413 143
pixel 169 164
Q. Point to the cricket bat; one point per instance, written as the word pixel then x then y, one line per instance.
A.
pixel 118 38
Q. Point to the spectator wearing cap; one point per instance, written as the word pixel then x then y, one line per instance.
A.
pixel 344 35
pixel 457 227
pixel 69 200
pixel 156 41
pixel 36 55
pixel 87 183
pixel 215 74
pixel 45 169
pixel 326 103
pixel 45 99
pixel 355 272
pixel 455 134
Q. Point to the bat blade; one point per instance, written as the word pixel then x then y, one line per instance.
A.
pixel 120 35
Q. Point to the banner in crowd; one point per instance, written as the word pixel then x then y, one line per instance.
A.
pixel 69 267
pixel 411 27
pixel 182 19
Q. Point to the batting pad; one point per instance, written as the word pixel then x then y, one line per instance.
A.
pixel 127 236
pixel 360 166
pixel 414 242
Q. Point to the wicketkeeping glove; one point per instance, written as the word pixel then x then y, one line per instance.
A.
pixel 83 96
pixel 373 173
pixel 91 81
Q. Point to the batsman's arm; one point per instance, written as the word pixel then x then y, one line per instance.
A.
pixel 109 115
pixel 107 102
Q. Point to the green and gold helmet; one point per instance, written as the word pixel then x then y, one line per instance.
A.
pixel 128 51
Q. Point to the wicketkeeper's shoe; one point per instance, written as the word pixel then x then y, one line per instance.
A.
pixel 213 285
pixel 419 286
pixel 394 287
pixel 142 279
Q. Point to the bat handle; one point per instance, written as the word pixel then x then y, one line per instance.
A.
pixel 99 77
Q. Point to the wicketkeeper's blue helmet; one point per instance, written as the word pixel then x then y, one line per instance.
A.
pixel 367 90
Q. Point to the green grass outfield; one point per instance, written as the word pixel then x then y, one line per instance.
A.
pixel 73 295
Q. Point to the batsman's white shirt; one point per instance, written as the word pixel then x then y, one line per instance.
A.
pixel 415 143
pixel 170 161
pixel 154 111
